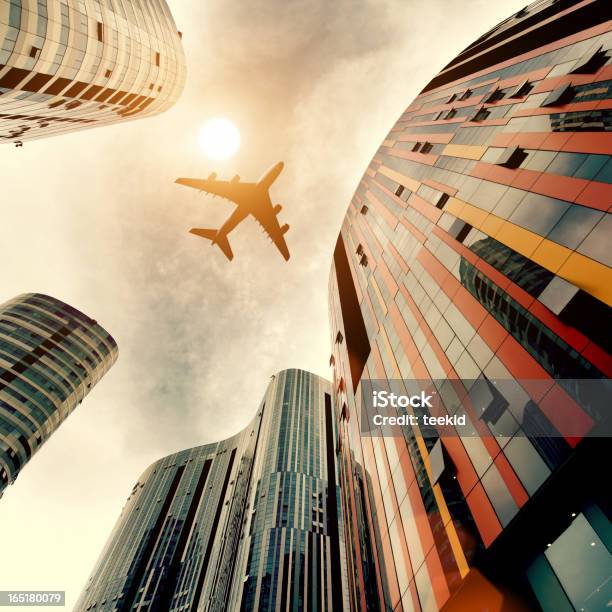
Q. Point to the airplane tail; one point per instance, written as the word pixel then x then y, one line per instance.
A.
pixel 216 238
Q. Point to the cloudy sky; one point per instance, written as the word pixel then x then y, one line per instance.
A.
pixel 94 219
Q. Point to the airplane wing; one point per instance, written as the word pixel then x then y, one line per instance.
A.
pixel 266 217
pixel 230 190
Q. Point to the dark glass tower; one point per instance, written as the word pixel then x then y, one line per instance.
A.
pixel 248 523
pixel 477 246
pixel 51 355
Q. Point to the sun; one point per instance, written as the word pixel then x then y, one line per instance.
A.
pixel 219 139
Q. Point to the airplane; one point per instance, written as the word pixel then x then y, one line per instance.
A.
pixel 250 199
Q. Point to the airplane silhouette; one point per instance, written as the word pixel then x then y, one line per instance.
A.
pixel 250 199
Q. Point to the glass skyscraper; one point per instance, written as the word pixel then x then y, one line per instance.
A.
pixel 477 246
pixel 67 65
pixel 247 523
pixel 51 356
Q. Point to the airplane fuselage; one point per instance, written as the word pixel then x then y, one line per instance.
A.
pixel 250 199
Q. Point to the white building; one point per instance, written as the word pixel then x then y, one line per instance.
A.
pixel 73 64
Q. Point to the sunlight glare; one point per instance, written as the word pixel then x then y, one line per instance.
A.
pixel 219 139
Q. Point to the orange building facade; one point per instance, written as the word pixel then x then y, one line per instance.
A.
pixel 476 246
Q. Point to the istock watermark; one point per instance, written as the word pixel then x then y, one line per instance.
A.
pixel 32 598
pixel 542 408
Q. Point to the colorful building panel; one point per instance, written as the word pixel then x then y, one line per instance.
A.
pixel 476 246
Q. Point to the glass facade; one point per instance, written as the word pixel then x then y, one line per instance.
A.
pixel 51 355
pixel 248 523
pixel 477 246
pixel 67 65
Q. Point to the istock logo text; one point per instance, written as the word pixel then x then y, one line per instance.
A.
pixel 383 399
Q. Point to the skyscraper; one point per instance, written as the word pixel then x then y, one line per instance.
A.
pixel 51 355
pixel 247 523
pixel 477 247
pixel 67 65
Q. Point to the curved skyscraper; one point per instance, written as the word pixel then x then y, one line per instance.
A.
pixel 477 246
pixel 51 355
pixel 67 65
pixel 247 523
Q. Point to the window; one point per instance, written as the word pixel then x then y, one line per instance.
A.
pixel 592 64
pixel 539 160
pixel 430 194
pixel 494 96
pixel 416 147
pixel 554 575
pixel 497 491
pixel 539 213
pixel 405 194
pixel 591 166
pixel 339 338
pixel 427 147
pixel 560 96
pixel 442 201
pixel 100 32
pixel 359 250
pixel 452 98
pixel 566 163
pixel 605 174
pixel 527 462
pixel 522 90
pixel 440 462
pixel 492 154
pixel 108 73
pixel 157 58
pixel 465 230
pixel 597 244
pixel 451 113
pixel 575 225
pixel 557 294
pixel 487 398
pixel 399 190
pixel 459 230
pixel 512 158
pixel 466 94
pixel 364 260
pixel 481 114
pixel 364 209
pixel 34 51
